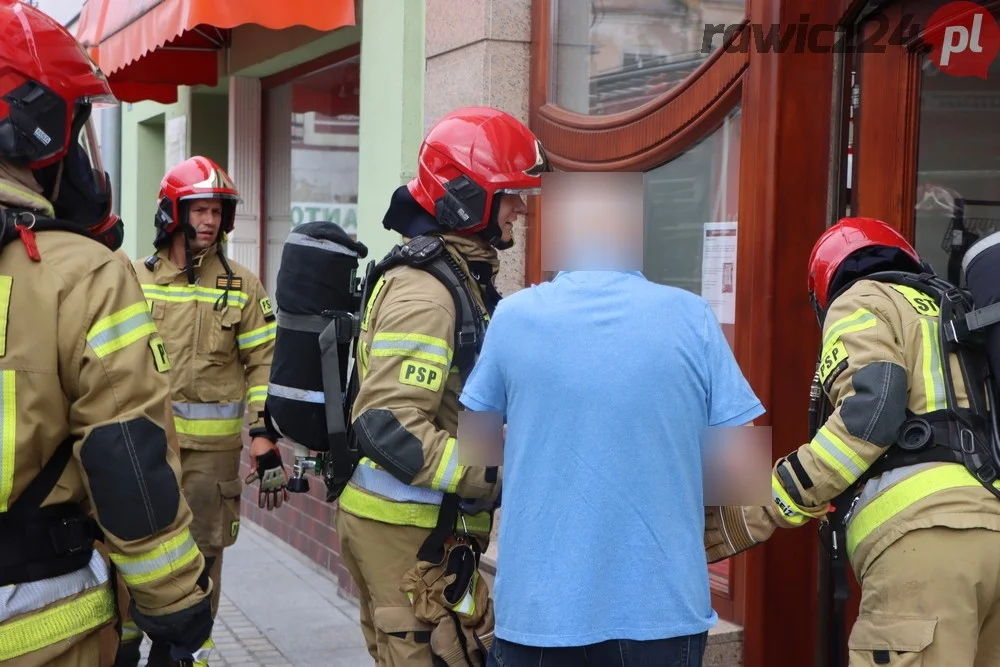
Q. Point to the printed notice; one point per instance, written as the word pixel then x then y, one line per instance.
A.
pixel 718 269
pixel 176 141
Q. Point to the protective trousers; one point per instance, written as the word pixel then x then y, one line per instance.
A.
pixel 931 599
pixel 379 556
pixel 211 484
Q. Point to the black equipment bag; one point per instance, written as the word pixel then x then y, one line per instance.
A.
pixel 317 299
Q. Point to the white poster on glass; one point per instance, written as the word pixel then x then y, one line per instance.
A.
pixel 718 269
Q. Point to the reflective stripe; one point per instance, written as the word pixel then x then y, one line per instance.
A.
pixel 859 320
pixel 8 433
pixel 321 244
pixel 467 605
pixel 160 561
pixel 382 483
pixel 257 337
pixel 208 419
pixel 5 284
pixel 903 494
pixel 293 394
pixel 57 624
pixel 933 371
pixel 366 320
pixel 40 203
pixel 24 598
pixel 448 471
pixel 836 454
pixel 257 393
pixel 184 293
pixel 119 330
pixel 361 503
pixel 130 632
pixel 792 512
pixel 417 346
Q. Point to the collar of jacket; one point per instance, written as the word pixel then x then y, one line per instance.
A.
pixel 19 189
pixel 165 271
pixel 468 249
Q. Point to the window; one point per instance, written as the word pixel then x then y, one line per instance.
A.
pixel 610 56
pixel 958 166
pixel 311 157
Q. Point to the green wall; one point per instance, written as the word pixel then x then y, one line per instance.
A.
pixel 391 126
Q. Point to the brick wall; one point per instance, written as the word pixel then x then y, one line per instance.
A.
pixel 305 521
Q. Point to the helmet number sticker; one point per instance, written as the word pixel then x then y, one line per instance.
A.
pixel 417 374
pixel 159 354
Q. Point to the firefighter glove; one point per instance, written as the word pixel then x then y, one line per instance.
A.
pixel 730 530
pixel 273 480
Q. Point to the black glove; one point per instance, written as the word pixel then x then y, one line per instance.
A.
pixel 188 630
pixel 273 480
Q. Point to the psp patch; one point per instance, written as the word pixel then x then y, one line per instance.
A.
pixel 234 529
pixel 833 363
pixel 265 308
pixel 226 282
pixel 159 354
pixel 418 374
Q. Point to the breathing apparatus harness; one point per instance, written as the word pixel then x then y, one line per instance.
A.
pixel 968 436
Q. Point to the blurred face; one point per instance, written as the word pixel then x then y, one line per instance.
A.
pixel 205 215
pixel 512 207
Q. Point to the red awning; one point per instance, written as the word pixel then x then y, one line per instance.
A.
pixel 149 47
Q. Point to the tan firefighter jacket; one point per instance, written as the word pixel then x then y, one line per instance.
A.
pixel 220 338
pixel 406 411
pixel 79 358
pixel 880 358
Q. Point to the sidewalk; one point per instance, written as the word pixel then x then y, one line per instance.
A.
pixel 280 610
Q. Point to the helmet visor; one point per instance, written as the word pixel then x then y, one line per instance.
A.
pixel 89 174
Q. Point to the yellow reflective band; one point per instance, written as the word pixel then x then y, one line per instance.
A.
pixel 8 432
pixel 56 624
pixel 119 330
pixel 448 471
pixel 899 496
pixel 130 632
pixel 184 293
pixel 5 284
pixel 41 203
pixel 416 346
pixel 836 454
pixel 467 605
pixel 859 320
pixel 366 320
pixel 792 513
pixel 923 304
pixel 160 561
pixel 257 337
pixel 257 394
pixel 208 427
pixel 933 371
pixel 367 506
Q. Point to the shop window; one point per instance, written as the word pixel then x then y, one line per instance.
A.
pixel 958 166
pixel 311 157
pixel 611 56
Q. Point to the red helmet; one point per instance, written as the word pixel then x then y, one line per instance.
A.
pixel 840 241
pixel 47 82
pixel 470 156
pixel 195 178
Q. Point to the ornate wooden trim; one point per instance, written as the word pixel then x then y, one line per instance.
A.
pixel 649 135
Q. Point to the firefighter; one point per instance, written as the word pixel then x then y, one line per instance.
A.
pixel 921 531
pixel 83 454
pixel 218 329
pixel 474 168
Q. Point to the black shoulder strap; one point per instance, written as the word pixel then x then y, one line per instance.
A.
pixel 41 486
pixel 17 221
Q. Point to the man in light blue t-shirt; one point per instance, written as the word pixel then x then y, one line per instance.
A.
pixel 608 383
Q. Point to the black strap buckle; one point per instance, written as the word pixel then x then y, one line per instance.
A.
pixel 467 338
pixel 71 536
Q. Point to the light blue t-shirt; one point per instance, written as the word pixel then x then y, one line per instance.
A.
pixel 608 382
